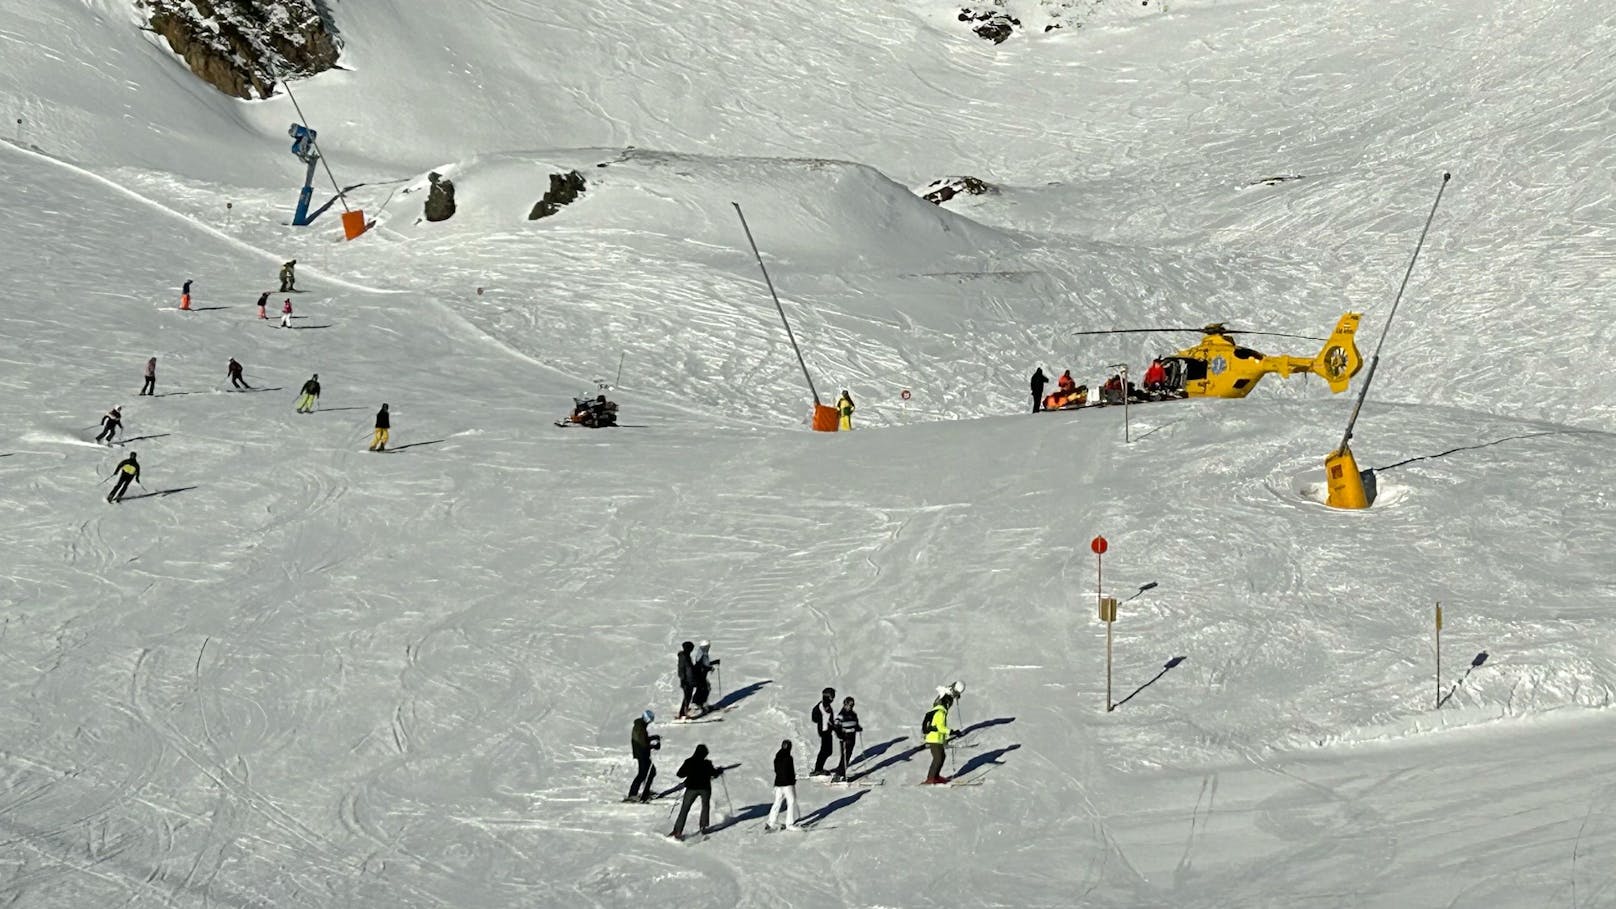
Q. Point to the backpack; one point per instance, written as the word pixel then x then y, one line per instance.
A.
pixel 925 722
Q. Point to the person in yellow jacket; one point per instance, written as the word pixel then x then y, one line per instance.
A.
pixel 936 729
pixel 844 409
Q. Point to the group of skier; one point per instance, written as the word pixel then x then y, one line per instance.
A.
pixel 834 727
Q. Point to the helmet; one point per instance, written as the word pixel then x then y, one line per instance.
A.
pixel 704 645
pixel 958 688
pixel 648 716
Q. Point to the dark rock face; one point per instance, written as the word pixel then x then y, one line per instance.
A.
pixel 244 47
pixel 992 23
pixel 940 191
pixel 564 188
pixel 440 201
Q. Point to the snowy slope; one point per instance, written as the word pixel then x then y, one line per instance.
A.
pixel 298 674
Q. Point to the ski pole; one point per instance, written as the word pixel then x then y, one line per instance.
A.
pixel 108 477
pixel 718 677
pixel 727 803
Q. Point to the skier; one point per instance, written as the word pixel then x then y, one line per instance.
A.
pixel 687 677
pixel 1155 376
pixel 286 314
pixel 955 688
pixel 311 394
pixel 234 372
pixel 844 407
pixel 935 727
pixel 149 387
pixel 785 788
pixel 127 471
pixel 185 296
pixel 824 715
pixel 698 774
pixel 287 277
pixel 263 302
pixel 1039 380
pixel 643 743
pixel 703 666
pixel 111 424
pixel 378 442
pixel 847 730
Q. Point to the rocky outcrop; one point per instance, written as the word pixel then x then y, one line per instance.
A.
pixel 564 188
pixel 440 201
pixel 940 191
pixel 992 22
pixel 245 47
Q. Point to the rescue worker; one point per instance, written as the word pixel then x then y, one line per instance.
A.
pixel 785 788
pixel 1155 376
pixel 1066 383
pixel 642 743
pixel 288 278
pixel 234 372
pixel 698 773
pixel 149 387
pixel 384 423
pixel 310 394
pixel 687 677
pixel 110 425
pixel 825 724
pixel 936 729
pixel 185 296
pixel 844 408
pixel 1039 380
pixel 127 471
pixel 847 730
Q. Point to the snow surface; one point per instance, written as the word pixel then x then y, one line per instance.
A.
pixel 293 673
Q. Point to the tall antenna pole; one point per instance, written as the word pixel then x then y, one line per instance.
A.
pixel 1363 391
pixel 782 309
pixel 341 196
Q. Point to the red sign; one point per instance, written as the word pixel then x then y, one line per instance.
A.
pixel 1099 545
pixel 904 394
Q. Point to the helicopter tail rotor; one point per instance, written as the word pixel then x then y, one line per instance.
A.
pixel 1338 361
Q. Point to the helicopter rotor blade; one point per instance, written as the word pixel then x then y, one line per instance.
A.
pixel 1276 334
pixel 1129 331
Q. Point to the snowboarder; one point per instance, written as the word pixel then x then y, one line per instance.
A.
pixel 111 424
pixel 1039 380
pixel 311 394
pixel 233 370
pixel 698 773
pixel 844 407
pixel 824 715
pixel 127 471
pixel 935 728
pixel 687 677
pixel 703 666
pixel 149 387
pixel 378 442
pixel 185 296
pixel 847 730
pixel 286 314
pixel 288 278
pixel 785 788
pixel 263 303
pixel 643 743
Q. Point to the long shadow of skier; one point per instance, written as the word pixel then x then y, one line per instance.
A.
pixel 160 492
pixel 207 308
pixel 418 444
pixel 739 694
pixel 155 435
pixel 985 724
pixel 898 758
pixel 830 808
pixel 878 749
pixel 985 758
pixel 309 327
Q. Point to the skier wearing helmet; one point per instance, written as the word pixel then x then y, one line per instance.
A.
pixel 687 678
pixel 824 715
pixel 643 743
pixel 702 665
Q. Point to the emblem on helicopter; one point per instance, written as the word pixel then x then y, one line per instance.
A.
pixel 1218 366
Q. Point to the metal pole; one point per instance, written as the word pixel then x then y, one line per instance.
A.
pixel 1108 666
pixel 1439 655
pixel 1369 377
pixel 782 310
pixel 619 380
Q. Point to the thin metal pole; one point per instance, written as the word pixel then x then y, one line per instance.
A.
pixel 1108 666
pixel 782 309
pixel 619 380
pixel 1439 656
pixel 341 197
pixel 1363 392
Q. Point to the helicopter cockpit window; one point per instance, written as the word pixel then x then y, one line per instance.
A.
pixel 1246 353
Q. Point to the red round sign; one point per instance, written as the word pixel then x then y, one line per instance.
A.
pixel 1099 545
pixel 904 394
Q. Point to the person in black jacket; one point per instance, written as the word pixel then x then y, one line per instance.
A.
pixel 110 425
pixel 687 678
pixel 643 743
pixel 701 664
pixel 825 724
pixel 233 370
pixel 384 423
pixel 127 471
pixel 785 787
pixel 847 730
pixel 698 774
pixel 1039 380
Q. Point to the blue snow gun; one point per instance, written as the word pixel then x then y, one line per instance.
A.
pixel 304 148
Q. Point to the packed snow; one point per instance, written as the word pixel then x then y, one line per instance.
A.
pixel 288 672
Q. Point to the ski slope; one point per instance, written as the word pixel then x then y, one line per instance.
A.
pixel 288 672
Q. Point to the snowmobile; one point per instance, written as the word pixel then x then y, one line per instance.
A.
pixel 592 413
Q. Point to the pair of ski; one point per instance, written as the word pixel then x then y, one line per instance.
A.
pixel 706 716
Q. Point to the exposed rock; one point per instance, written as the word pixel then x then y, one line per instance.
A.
pixel 940 191
pixel 992 23
pixel 564 188
pixel 244 47
pixel 440 203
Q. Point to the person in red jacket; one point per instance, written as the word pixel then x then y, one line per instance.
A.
pixel 286 313
pixel 1155 376
pixel 1066 383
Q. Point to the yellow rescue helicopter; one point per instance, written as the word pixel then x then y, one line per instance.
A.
pixel 1218 367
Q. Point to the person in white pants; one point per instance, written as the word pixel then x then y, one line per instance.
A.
pixel 785 788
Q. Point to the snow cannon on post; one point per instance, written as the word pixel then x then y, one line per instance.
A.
pixel 304 148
